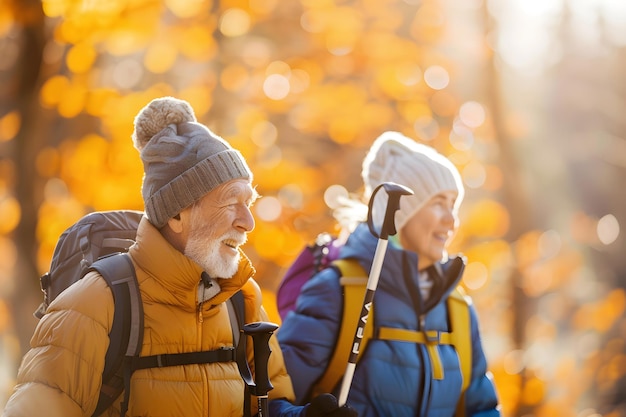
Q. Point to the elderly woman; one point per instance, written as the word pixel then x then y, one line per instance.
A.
pixel 424 374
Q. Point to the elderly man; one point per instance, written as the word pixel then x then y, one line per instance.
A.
pixel 197 192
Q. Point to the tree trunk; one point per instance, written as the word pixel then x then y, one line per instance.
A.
pixel 26 79
pixel 516 199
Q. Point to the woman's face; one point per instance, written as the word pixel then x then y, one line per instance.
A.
pixel 430 229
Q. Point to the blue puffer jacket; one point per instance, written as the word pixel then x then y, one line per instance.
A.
pixel 392 378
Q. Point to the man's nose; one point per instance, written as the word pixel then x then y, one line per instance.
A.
pixel 245 220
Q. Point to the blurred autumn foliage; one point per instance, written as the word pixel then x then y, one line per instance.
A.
pixel 526 98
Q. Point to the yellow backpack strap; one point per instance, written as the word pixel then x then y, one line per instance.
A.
pixel 459 336
pixel 354 283
pixel 458 309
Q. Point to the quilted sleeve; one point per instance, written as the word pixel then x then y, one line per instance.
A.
pixel 481 399
pixel 277 372
pixel 308 334
pixel 61 374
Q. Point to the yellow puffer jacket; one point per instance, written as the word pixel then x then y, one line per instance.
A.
pixel 60 375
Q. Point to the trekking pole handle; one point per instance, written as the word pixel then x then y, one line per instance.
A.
pixel 394 192
pixel 261 332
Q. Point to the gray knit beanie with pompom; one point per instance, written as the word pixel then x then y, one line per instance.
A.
pixel 182 159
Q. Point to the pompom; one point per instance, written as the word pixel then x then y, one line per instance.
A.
pixel 157 115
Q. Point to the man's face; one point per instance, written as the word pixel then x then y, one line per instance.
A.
pixel 428 232
pixel 218 225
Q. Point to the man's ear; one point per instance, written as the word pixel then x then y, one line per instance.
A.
pixel 175 223
pixel 174 231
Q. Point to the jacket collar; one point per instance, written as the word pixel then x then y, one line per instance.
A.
pixel 362 245
pixel 178 275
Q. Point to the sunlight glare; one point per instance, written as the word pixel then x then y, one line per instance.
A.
pixel 127 73
pixel 436 77
pixel 264 134
pixel 472 114
pixel 292 195
pixel 235 22
pixel 474 175
pixel 276 87
pixel 608 229
pixel 268 209
pixel 334 195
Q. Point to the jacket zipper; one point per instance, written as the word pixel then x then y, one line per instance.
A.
pixel 200 318
pixel 199 309
pixel 200 302
pixel 203 371
pixel 428 371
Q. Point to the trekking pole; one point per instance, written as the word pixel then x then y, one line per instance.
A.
pixel 261 332
pixel 394 192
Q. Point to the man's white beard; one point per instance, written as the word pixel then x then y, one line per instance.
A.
pixel 206 252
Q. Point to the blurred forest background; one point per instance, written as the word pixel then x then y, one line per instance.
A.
pixel 526 97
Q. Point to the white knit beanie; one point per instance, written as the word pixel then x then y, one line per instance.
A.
pixel 182 159
pixel 395 158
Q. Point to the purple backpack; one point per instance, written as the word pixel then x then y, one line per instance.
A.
pixel 309 262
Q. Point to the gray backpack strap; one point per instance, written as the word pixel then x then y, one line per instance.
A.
pixel 126 335
pixel 234 321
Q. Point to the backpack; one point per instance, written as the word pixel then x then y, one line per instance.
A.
pixel 99 241
pixel 312 259
pixel 323 253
